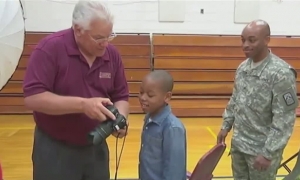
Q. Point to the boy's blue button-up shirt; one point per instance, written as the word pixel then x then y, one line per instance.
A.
pixel 163 148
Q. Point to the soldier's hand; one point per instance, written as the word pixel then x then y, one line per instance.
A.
pixel 261 163
pixel 221 136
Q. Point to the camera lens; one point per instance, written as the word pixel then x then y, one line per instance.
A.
pixel 101 132
pixel 113 110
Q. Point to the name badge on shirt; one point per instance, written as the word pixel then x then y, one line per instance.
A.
pixel 104 75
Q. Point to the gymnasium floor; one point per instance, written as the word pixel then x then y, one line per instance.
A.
pixel 16 144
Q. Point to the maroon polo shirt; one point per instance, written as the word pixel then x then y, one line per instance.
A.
pixel 56 65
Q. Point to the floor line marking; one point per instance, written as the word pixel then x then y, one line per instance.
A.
pixel 16 128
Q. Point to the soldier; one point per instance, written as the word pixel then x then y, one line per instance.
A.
pixel 261 110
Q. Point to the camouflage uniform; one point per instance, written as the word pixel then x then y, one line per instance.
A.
pixel 261 112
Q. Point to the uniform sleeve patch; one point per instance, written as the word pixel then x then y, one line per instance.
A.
pixel 288 98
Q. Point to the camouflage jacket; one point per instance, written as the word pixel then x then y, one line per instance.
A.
pixel 261 110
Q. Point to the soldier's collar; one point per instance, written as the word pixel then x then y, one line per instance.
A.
pixel 259 69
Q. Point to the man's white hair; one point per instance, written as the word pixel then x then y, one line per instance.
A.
pixel 87 10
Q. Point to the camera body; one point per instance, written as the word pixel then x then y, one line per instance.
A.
pixel 105 129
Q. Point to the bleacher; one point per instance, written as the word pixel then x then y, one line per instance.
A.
pixel 203 68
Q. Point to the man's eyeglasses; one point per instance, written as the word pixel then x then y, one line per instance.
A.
pixel 102 40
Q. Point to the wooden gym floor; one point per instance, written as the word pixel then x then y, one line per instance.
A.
pixel 16 144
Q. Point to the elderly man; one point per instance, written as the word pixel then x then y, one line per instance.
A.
pixel 71 76
pixel 261 109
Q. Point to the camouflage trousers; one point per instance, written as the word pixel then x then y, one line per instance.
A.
pixel 242 167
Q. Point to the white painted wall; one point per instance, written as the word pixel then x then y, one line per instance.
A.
pixel 138 16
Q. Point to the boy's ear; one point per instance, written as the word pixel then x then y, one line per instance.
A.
pixel 168 97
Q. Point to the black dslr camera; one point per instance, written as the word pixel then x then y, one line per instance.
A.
pixel 105 129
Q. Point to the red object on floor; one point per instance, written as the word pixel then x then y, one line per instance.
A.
pixel 1 175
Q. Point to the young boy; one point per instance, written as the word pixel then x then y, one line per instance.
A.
pixel 163 143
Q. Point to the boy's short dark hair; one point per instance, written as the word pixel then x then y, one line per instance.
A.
pixel 164 77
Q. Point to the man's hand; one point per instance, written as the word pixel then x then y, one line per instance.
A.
pixel 122 132
pixel 95 108
pixel 221 136
pixel 261 163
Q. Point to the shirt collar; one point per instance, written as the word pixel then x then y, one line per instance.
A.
pixel 259 69
pixel 161 116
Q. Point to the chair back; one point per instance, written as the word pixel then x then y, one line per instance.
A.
pixel 207 164
pixel 295 173
pixel 1 174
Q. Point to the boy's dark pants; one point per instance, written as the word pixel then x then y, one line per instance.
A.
pixel 54 160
